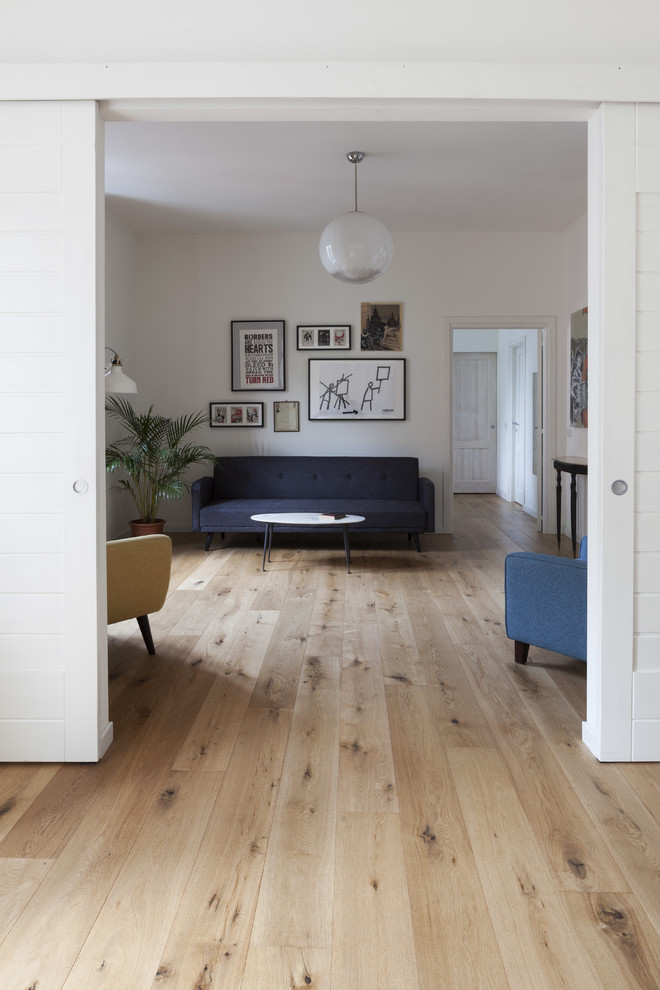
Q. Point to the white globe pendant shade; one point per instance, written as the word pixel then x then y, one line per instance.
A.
pixel 356 247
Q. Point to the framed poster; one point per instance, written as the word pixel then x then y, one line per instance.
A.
pixel 579 407
pixel 257 355
pixel 325 337
pixel 236 414
pixel 286 417
pixel 351 389
pixel 380 326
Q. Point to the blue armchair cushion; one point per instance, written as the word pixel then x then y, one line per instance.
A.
pixel 546 601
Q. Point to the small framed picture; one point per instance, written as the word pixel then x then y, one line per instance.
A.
pixel 380 326
pixel 257 356
pixel 324 338
pixel 236 414
pixel 286 417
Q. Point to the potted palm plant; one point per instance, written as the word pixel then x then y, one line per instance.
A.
pixel 154 454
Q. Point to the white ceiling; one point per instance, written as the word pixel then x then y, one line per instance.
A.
pixel 294 177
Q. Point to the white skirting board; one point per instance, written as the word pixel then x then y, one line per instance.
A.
pixel 31 741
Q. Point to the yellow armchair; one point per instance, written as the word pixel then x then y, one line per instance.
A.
pixel 138 579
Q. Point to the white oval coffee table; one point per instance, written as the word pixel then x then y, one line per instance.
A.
pixel 272 519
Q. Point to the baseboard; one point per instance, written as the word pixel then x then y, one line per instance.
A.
pixel 106 739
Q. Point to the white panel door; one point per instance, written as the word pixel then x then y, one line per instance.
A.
pixel 475 411
pixel 612 309
pixel 518 422
pixel 53 665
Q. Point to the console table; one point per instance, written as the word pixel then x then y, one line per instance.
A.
pixel 572 466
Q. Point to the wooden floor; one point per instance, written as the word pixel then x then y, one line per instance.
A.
pixel 336 781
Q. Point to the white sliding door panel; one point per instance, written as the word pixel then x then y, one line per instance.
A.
pixel 53 666
pixel 646 713
pixel 612 224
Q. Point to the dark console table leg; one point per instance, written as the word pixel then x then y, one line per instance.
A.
pixel 559 510
pixel 574 512
pixel 572 466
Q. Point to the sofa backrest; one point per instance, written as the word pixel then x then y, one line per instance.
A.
pixel 316 477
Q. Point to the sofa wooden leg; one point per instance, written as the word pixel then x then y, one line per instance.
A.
pixel 145 629
pixel 521 651
pixel 209 537
pixel 415 537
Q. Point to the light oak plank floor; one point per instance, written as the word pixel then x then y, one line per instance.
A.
pixel 339 782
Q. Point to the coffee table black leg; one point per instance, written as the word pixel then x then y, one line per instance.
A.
pixel 267 538
pixel 347 549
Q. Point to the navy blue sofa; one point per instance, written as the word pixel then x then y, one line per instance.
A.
pixel 546 603
pixel 387 491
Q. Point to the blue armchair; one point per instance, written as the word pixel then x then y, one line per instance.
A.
pixel 546 603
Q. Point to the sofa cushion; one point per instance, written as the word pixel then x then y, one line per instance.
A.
pixel 402 515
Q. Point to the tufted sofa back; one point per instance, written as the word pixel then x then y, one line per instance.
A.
pixel 316 477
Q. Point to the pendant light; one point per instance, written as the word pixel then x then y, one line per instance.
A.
pixel 356 247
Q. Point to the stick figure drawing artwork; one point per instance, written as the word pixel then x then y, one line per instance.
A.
pixel 357 389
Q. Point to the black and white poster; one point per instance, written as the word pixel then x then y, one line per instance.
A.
pixel 353 389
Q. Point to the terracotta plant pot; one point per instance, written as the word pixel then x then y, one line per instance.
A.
pixel 139 528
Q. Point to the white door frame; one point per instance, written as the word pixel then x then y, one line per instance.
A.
pixel 377 91
pixel 547 327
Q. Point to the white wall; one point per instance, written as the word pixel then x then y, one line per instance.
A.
pixel 188 289
pixel 474 341
pixel 475 30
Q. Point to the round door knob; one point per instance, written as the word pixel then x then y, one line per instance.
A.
pixel 80 486
pixel 619 487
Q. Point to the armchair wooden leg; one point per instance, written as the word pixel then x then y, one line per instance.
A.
pixel 145 629
pixel 521 651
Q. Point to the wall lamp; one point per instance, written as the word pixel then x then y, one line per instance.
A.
pixel 115 379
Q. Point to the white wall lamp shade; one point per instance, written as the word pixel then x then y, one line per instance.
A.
pixel 115 379
pixel 356 247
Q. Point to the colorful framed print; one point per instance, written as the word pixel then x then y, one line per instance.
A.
pixel 579 406
pixel 257 356
pixel 326 337
pixel 236 414
pixel 351 389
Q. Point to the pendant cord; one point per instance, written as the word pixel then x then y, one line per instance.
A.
pixel 355 167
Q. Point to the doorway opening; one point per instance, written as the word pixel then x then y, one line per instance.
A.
pixel 501 399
